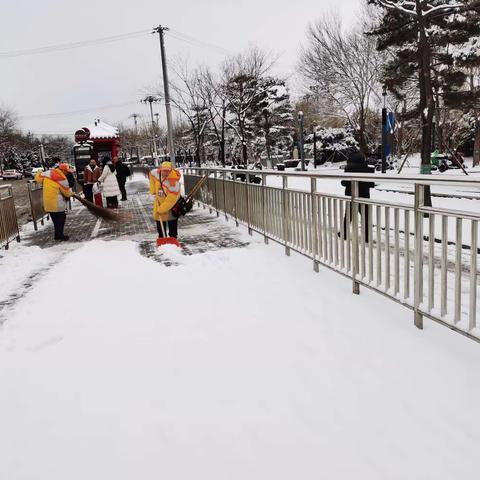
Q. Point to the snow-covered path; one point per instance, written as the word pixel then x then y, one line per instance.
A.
pixel 232 364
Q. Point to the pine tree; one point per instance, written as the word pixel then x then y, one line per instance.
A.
pixel 424 37
pixel 273 116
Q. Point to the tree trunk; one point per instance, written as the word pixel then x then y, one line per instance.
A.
pixel 476 147
pixel 244 152
pixel 222 141
pixel 361 133
pixel 427 103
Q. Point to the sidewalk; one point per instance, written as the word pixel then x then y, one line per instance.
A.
pixel 225 359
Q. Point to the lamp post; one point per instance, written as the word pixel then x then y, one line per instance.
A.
pixel 135 117
pixel 301 140
pixel 151 99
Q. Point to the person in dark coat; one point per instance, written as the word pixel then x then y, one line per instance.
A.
pixel 357 163
pixel 123 172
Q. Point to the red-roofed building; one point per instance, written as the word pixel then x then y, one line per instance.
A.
pixel 105 140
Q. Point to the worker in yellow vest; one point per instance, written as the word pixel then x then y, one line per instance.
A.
pixel 56 192
pixel 165 185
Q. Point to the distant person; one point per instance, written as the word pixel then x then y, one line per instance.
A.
pixel 123 172
pixel 165 185
pixel 108 178
pixel 91 174
pixel 56 192
pixel 357 163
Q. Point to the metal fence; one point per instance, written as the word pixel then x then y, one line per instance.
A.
pixel 425 258
pixel 35 195
pixel 8 217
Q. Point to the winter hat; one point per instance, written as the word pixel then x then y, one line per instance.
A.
pixel 65 167
pixel 356 158
pixel 166 166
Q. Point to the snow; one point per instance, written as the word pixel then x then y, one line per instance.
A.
pixel 238 363
pixel 100 129
pixel 21 263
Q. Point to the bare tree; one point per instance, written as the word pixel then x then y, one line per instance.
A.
pixel 240 91
pixel 188 99
pixel 343 66
pixel 216 106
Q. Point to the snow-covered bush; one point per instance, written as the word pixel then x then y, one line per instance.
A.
pixel 333 144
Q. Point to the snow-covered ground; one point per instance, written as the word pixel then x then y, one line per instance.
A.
pixel 238 363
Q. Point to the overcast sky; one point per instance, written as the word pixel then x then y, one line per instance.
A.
pixel 108 80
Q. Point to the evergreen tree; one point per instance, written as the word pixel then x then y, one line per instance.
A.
pixel 273 116
pixel 424 37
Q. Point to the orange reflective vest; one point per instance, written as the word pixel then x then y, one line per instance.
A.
pixel 166 191
pixel 55 190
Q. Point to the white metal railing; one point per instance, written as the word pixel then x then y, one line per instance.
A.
pixel 8 217
pixel 35 197
pixel 411 253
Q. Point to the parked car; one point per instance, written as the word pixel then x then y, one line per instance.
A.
pixel 12 174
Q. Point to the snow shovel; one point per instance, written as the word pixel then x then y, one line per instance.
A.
pixel 166 240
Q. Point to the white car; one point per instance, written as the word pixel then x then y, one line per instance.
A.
pixel 36 170
pixel 12 175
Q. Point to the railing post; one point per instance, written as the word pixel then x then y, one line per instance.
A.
pixel 418 257
pixel 224 176
pixel 215 192
pixel 313 189
pixel 264 208
pixel 354 208
pixel 234 178
pixel 285 214
pixel 247 203
pixel 29 188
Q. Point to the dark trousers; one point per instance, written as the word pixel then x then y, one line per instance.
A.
pixel 88 191
pixel 112 202
pixel 121 185
pixel 58 219
pixel 172 230
pixel 364 222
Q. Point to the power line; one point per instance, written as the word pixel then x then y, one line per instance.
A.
pixel 114 38
pixel 72 45
pixel 75 112
pixel 198 43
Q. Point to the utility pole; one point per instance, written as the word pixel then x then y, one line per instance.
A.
pixel 161 30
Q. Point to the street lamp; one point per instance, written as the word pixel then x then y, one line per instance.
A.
pixel 384 130
pixel 151 99
pixel 301 140
pixel 135 116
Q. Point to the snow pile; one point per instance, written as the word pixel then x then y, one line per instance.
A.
pixel 20 263
pixel 235 364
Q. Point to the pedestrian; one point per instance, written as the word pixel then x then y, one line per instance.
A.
pixel 91 174
pixel 123 172
pixel 356 163
pixel 108 177
pixel 165 185
pixel 56 192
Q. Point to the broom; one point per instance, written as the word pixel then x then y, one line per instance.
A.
pixel 100 212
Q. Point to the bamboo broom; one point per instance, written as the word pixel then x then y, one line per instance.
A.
pixel 100 212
